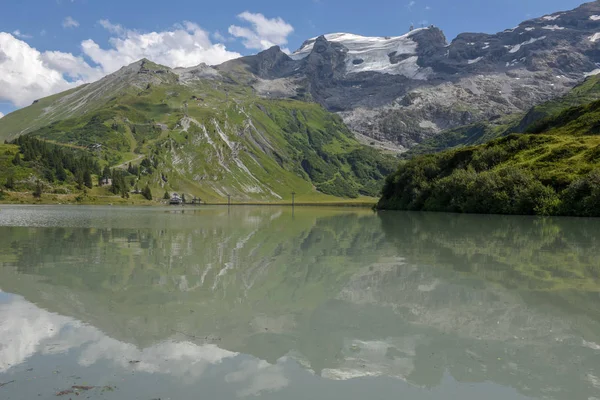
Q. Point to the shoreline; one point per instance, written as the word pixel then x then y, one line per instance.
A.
pixel 72 200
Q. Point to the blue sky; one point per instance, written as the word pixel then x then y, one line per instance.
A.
pixel 55 44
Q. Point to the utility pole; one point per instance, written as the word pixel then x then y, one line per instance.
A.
pixel 228 200
pixel 293 199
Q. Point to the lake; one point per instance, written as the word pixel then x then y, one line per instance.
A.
pixel 312 303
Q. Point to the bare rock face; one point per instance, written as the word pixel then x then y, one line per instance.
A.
pixel 402 90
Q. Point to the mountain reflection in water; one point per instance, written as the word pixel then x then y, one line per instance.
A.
pixel 259 302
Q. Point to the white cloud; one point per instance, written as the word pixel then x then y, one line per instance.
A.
pixel 411 4
pixel 112 28
pixel 263 33
pixel 24 76
pixel 219 37
pixel 69 22
pixel 258 377
pixel 185 45
pixel 27 74
pixel 27 330
pixel 18 34
pixel 1 115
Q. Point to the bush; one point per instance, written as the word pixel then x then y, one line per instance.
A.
pixel 39 189
pixel 147 193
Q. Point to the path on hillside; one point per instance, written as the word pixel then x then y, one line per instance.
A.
pixel 126 163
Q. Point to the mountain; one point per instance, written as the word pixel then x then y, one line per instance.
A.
pixel 399 91
pixel 484 131
pixel 205 134
pixel 553 168
pixel 264 126
pixel 394 92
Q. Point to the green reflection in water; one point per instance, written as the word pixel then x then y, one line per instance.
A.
pixel 509 300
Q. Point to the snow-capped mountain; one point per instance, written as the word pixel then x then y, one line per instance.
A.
pixel 397 91
pixel 394 92
pixel 389 55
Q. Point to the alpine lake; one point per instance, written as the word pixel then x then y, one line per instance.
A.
pixel 306 303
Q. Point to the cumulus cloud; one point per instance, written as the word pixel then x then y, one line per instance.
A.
pixel 1 114
pixel 24 76
pixel 27 74
pixel 263 32
pixel 69 22
pixel 185 45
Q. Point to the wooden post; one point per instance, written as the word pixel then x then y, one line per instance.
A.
pixel 293 199
pixel 228 200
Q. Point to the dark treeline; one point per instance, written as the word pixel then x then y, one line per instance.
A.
pixel 54 162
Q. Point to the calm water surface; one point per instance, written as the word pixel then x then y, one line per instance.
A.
pixel 260 303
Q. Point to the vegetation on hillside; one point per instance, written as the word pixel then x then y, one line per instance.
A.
pixel 207 138
pixel 553 169
pixel 482 132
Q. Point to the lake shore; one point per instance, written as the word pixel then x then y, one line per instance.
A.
pixel 25 198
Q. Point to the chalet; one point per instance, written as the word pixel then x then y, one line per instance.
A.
pixel 105 182
pixel 175 200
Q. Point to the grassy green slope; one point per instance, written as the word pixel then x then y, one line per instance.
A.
pixel 554 168
pixel 209 138
pixel 482 132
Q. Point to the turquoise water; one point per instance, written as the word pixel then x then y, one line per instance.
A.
pixel 266 303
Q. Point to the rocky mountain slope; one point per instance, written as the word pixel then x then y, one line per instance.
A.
pixel 401 90
pixel 205 134
pixel 396 91
pixel 260 127
pixel 485 131
pixel 553 168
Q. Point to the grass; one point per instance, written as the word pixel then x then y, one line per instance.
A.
pixel 482 132
pixel 255 149
pixel 552 169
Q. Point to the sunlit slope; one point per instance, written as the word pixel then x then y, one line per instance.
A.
pixel 552 168
pixel 208 135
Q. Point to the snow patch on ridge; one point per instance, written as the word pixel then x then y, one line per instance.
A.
pixel 514 49
pixel 372 54
pixel 592 73
pixel 595 17
pixel 595 37
pixel 476 60
pixel 551 17
pixel 553 27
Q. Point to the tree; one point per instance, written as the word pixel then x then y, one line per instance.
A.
pixel 166 195
pixel 39 189
pixel 87 179
pixel 79 180
pixel 10 182
pixel 106 172
pixel 61 174
pixel 147 193
pixel 17 159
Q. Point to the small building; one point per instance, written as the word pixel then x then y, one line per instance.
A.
pixel 175 200
pixel 105 182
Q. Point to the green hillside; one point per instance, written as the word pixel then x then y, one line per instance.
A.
pixel 552 169
pixel 205 136
pixel 482 132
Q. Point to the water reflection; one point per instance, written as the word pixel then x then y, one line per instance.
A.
pixel 436 301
